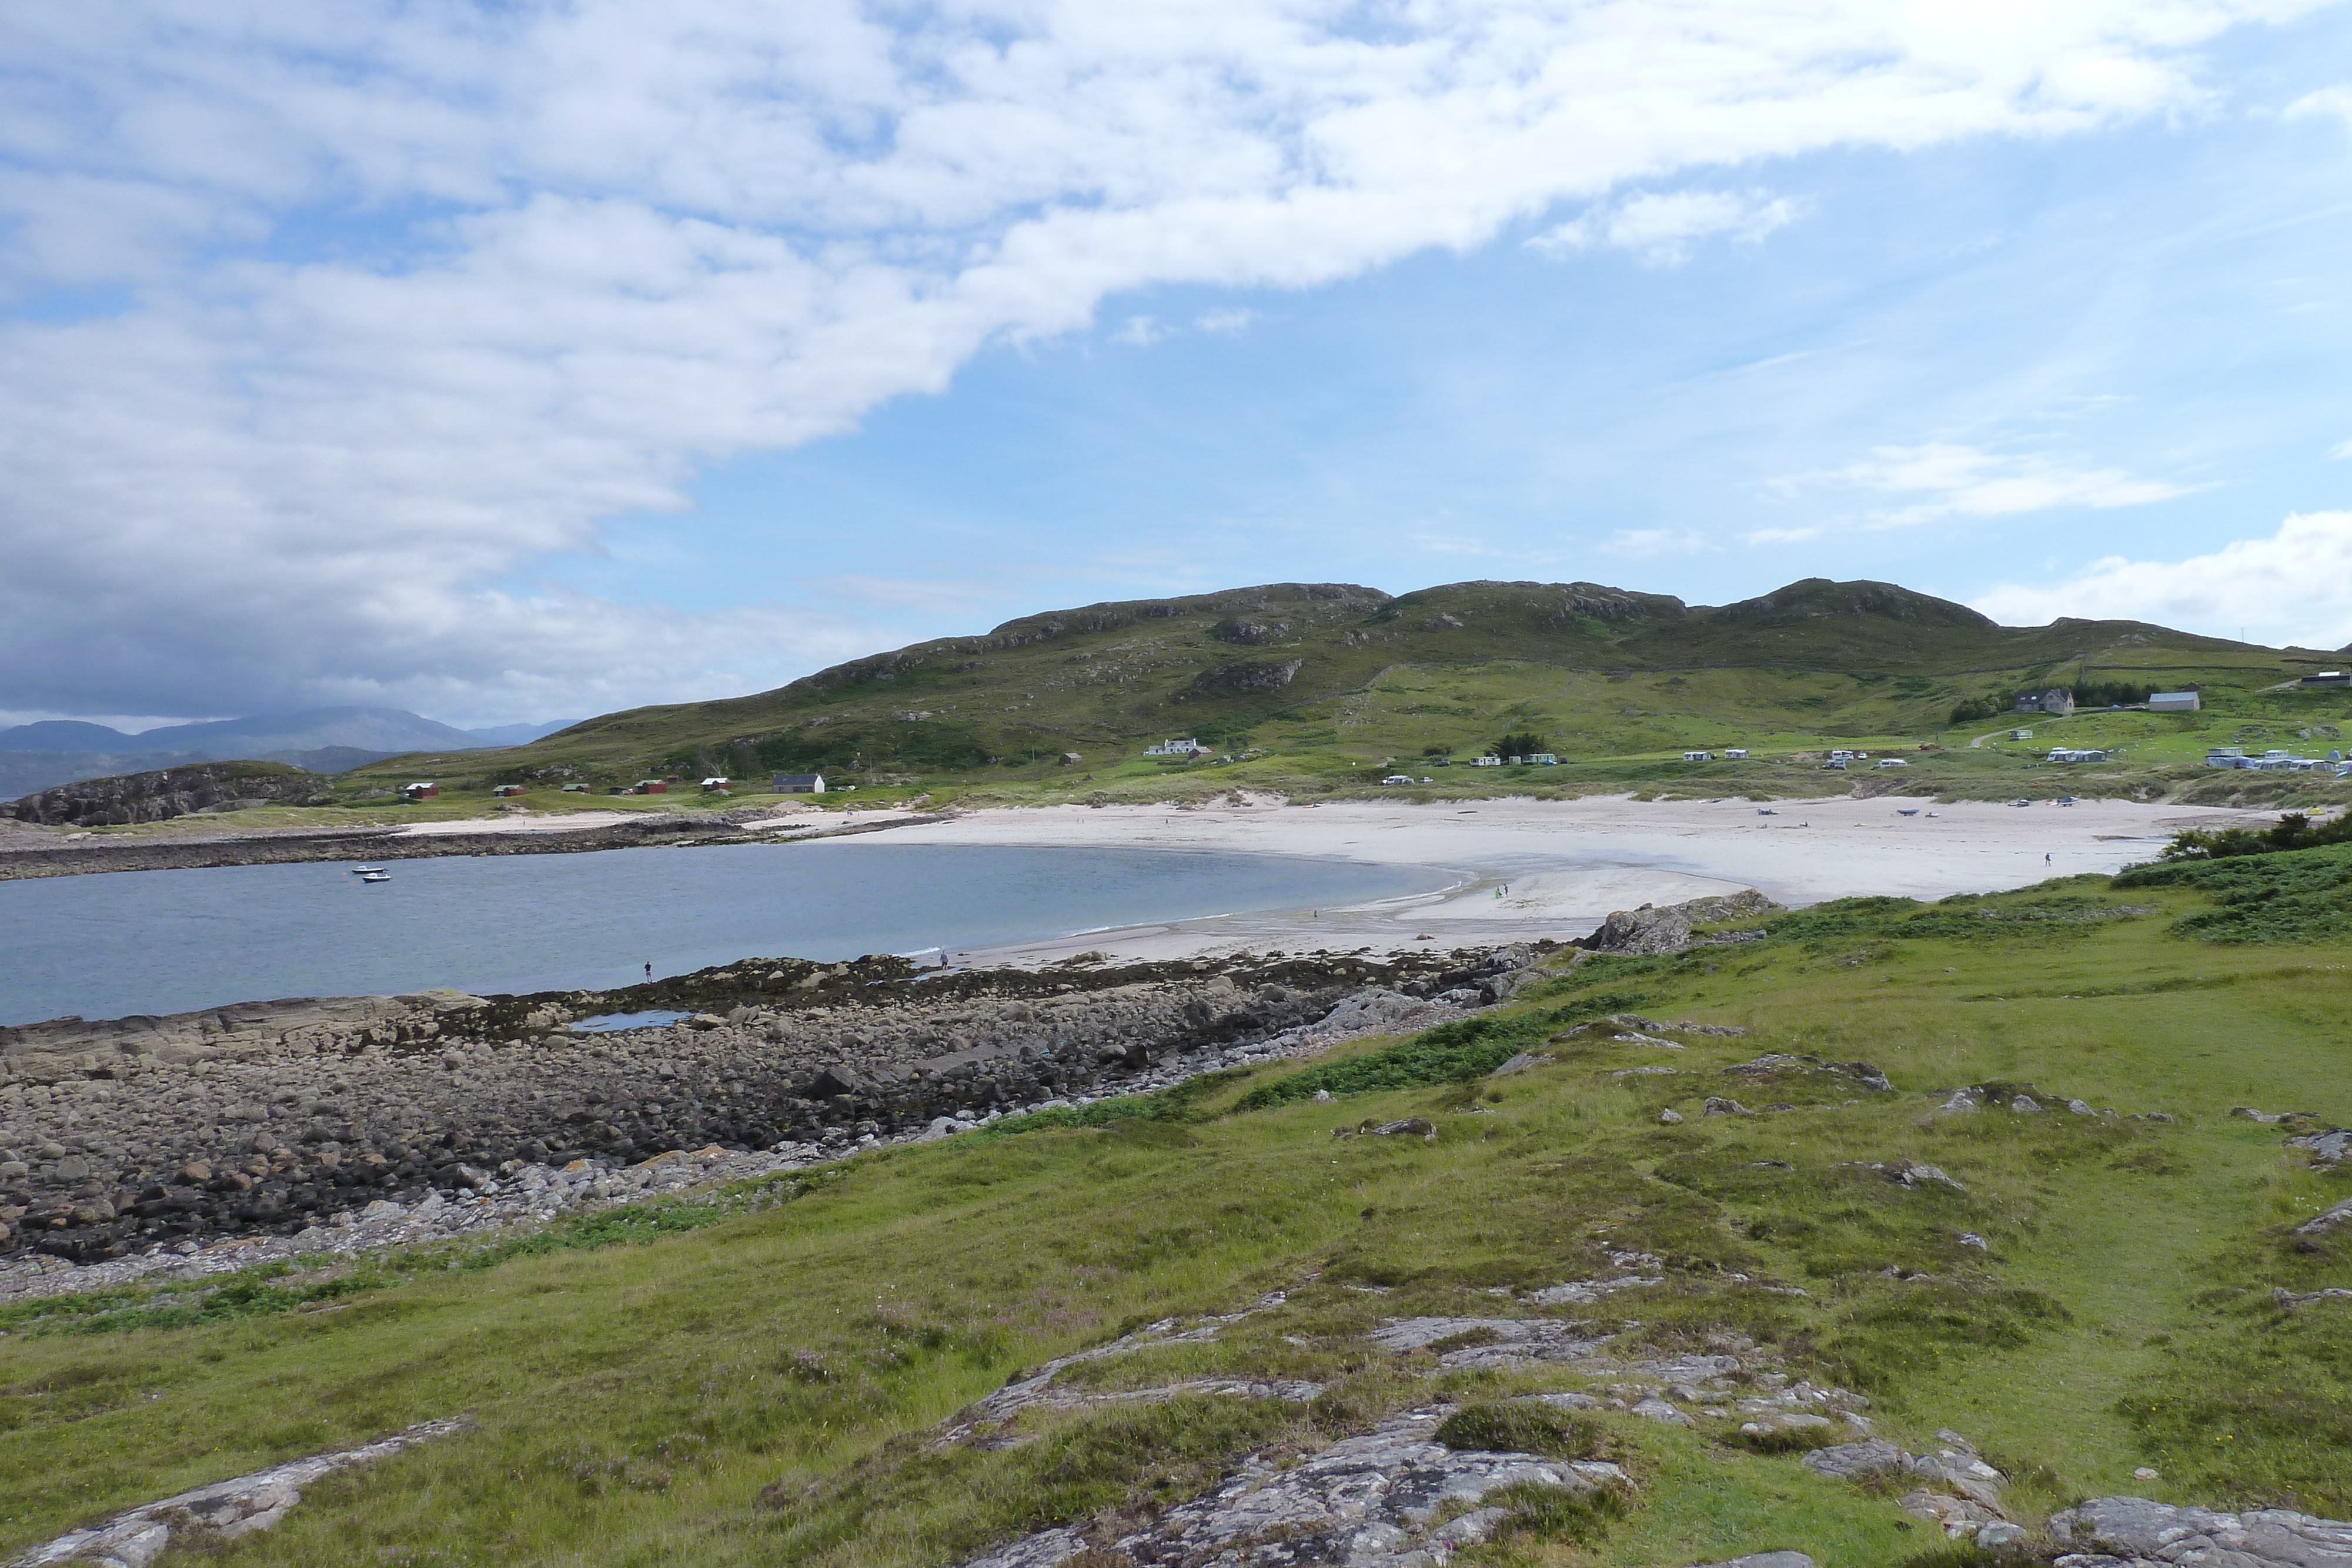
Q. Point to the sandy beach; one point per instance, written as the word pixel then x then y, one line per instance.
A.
pixel 1526 869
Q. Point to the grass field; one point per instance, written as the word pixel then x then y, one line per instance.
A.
pixel 759 1389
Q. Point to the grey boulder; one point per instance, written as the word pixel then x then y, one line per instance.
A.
pixel 2132 1532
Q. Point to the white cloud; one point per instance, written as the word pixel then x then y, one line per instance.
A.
pixel 1453 544
pixel 1641 542
pixel 1140 330
pixel 1224 322
pixel 418 294
pixel 2327 103
pixel 1662 229
pixel 2343 449
pixel 1781 536
pixel 2294 587
pixel 1969 482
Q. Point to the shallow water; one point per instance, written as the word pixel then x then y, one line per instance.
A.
pixel 174 941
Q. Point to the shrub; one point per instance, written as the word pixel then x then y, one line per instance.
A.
pixel 1524 1429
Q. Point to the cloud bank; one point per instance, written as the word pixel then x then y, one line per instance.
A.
pixel 1952 480
pixel 2294 587
pixel 320 326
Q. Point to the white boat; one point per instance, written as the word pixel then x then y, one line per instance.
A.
pixel 1907 811
pixel 365 870
pixel 377 876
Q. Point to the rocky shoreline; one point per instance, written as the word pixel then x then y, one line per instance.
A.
pixel 26 855
pixel 139 1136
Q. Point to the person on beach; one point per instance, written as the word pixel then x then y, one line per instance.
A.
pixel 649 969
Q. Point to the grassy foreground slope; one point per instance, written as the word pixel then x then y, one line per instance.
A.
pixel 1320 686
pixel 763 1388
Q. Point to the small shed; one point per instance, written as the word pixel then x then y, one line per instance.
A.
pixel 423 789
pixel 507 791
pixel 2174 702
pixel 714 785
pixel 798 784
pixel 652 787
pixel 1735 754
pixel 576 788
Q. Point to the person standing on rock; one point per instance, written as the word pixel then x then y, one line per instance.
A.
pixel 649 969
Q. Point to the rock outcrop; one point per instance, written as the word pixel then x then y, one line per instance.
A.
pixel 2134 1532
pixel 1373 1501
pixel 1650 929
pixel 172 792
pixel 219 1512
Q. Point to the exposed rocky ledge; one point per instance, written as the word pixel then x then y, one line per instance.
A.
pixel 1651 929
pixel 169 792
pixel 2134 1532
pixel 133 1134
pixel 218 1513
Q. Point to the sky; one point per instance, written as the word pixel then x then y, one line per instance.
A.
pixel 525 362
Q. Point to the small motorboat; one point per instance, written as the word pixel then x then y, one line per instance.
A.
pixel 1907 811
pixel 378 875
pixel 365 870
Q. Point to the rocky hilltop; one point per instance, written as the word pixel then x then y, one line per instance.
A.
pixel 274 1116
pixel 169 792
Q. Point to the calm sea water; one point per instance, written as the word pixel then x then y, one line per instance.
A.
pixel 174 941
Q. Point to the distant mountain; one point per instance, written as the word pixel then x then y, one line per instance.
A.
pixel 55 751
pixel 519 734
pixel 384 729
pixel 64 735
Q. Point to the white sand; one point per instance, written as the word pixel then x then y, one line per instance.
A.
pixel 1567 864
pixel 780 816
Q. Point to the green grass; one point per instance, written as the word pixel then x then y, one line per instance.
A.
pixel 755 1382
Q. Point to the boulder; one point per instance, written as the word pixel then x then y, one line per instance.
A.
pixel 1854 1461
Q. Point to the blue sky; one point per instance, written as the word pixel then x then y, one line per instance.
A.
pixel 573 403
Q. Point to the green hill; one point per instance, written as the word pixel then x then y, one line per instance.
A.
pixel 1327 685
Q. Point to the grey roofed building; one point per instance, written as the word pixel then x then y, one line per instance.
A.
pixel 2056 699
pixel 798 784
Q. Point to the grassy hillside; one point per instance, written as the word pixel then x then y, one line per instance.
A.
pixel 1327 686
pixel 759 1382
